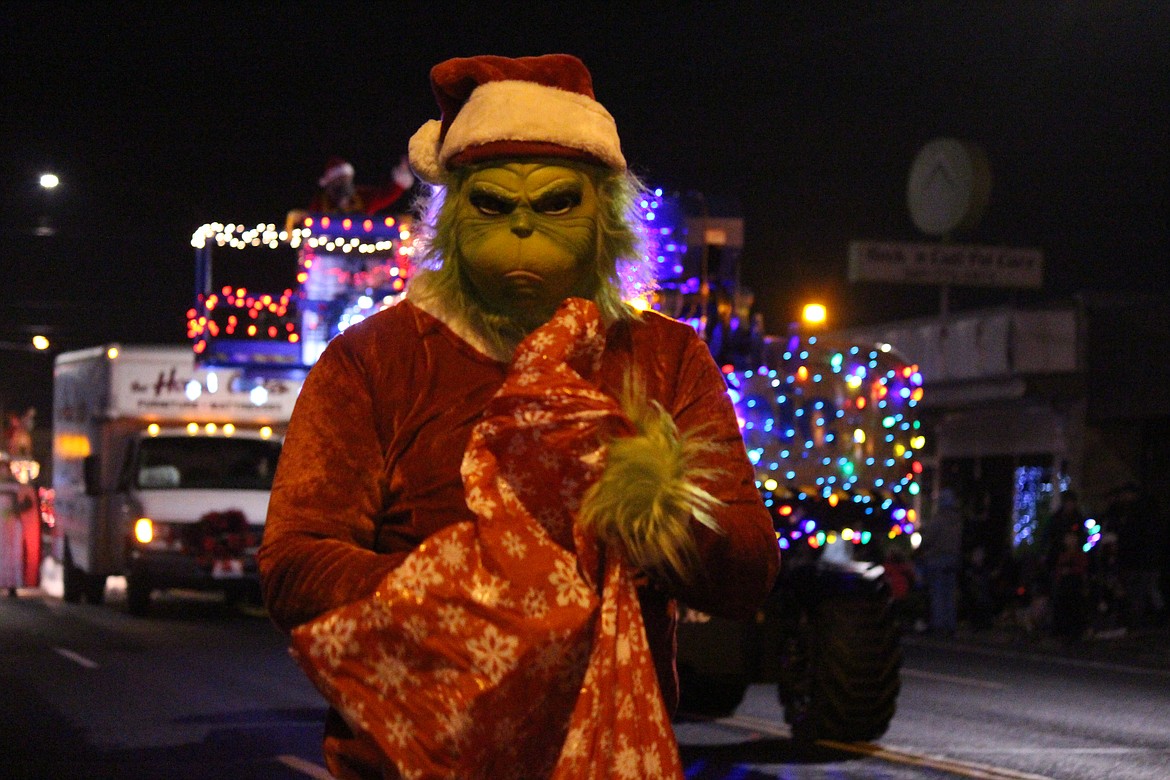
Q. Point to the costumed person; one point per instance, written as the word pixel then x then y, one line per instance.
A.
pixel 339 194
pixel 493 495
pixel 12 563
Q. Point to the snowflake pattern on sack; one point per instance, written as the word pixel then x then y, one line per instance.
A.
pixel 512 646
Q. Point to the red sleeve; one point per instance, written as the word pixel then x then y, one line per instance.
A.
pixel 378 198
pixel 317 552
pixel 740 564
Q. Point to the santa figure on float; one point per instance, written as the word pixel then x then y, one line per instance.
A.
pixel 494 495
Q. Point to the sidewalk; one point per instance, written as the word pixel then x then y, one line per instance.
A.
pixel 1146 647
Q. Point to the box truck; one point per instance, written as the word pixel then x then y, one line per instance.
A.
pixel 161 470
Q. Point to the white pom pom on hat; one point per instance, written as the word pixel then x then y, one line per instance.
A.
pixel 498 107
pixel 335 169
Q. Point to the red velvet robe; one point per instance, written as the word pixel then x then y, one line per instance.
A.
pixel 371 468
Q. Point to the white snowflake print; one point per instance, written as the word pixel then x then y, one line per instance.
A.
pixel 453 554
pixel 575 745
pixel 540 341
pixel 454 725
pixel 398 730
pixel 446 676
pixel 416 574
pixel 474 460
pixel 388 673
pixel 626 707
pixel 452 618
pixel 608 618
pixel 513 544
pixel 480 504
pixel 333 639
pixel 493 653
pixel 628 764
pixel 534 604
pixel 523 361
pixel 377 614
pixel 416 628
pixel 651 762
pixel 488 590
pixel 532 417
pixel 623 650
pixel 570 588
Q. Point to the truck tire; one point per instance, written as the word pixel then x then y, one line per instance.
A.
pixel 78 584
pixel 839 669
pixel 95 588
pixel 138 590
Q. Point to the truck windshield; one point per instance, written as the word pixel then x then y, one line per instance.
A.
pixel 182 462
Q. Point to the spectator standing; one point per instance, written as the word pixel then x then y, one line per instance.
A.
pixel 942 542
pixel 1135 518
pixel 1070 573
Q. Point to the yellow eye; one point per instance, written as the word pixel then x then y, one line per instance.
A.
pixel 557 203
pixel 489 205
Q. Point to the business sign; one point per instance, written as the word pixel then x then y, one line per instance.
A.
pixel 945 264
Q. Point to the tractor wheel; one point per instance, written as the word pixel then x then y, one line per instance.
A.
pixel 709 695
pixel 839 670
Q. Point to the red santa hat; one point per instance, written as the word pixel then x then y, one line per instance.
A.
pixel 494 107
pixel 335 169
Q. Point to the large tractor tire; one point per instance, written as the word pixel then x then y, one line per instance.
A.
pixel 708 695
pixel 839 668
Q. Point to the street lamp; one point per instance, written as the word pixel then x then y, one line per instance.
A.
pixel 814 314
pixel 40 343
pixel 48 182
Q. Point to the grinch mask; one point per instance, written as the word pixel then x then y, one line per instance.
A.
pixel 526 234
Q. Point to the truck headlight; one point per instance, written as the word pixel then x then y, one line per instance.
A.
pixel 144 530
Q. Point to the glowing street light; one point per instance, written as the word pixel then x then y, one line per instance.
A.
pixel 40 343
pixel 48 182
pixel 814 314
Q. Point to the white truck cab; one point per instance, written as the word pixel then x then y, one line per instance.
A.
pixel 161 470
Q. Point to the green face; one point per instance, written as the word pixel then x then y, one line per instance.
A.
pixel 526 234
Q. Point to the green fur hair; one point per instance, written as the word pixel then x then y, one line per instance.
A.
pixel 648 494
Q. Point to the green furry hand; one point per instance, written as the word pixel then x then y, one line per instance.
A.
pixel 648 494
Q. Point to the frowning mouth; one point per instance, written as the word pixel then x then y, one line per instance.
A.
pixel 523 281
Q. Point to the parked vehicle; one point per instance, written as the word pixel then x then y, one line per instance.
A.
pixel 161 470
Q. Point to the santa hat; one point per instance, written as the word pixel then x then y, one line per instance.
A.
pixel 334 169
pixel 494 107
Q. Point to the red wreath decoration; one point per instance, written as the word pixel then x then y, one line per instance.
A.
pixel 220 536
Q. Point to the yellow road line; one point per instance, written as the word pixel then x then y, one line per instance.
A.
pixel 305 767
pixel 893 755
pixel 910 758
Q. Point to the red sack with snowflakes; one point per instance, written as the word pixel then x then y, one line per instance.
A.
pixel 512 646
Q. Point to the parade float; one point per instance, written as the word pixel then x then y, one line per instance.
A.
pixel 832 429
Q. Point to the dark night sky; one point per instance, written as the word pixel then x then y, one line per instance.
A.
pixel 805 117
